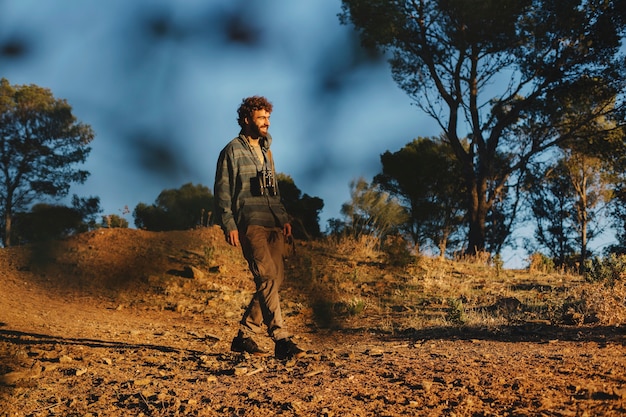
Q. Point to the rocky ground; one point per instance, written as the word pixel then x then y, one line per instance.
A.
pixel 121 322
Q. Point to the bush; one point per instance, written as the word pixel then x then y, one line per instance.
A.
pixel 596 303
pixel 608 270
pixel 538 262
pixel 397 250
pixel 456 311
pixel 185 208
pixel 114 221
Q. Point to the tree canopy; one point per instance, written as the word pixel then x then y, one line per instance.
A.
pixel 52 221
pixel 505 75
pixel 424 175
pixel 40 144
pixel 303 210
pixel 176 209
pixel 371 211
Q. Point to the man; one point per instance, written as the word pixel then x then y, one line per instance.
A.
pixel 253 217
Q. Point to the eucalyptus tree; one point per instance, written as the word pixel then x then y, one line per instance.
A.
pixel 501 74
pixel 571 200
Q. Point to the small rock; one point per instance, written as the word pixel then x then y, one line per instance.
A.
pixel 427 385
pixel 142 382
pixel 375 352
pixel 50 367
pixel 241 370
pixel 327 413
pixel 12 377
pixel 192 272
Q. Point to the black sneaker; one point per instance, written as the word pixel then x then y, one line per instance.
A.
pixel 246 344
pixel 286 349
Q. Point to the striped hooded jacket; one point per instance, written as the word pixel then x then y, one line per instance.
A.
pixel 237 199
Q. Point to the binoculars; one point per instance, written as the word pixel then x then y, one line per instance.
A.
pixel 267 182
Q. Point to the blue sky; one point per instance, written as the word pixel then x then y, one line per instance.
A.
pixel 160 82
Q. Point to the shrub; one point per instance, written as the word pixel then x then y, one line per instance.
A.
pixel 456 311
pixel 397 250
pixel 114 221
pixel 608 270
pixel 538 262
pixel 596 303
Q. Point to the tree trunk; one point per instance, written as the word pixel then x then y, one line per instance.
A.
pixel 7 229
pixel 584 221
pixel 477 217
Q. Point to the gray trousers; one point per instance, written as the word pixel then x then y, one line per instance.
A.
pixel 263 248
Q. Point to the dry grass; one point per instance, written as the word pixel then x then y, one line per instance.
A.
pixel 346 283
pixel 351 284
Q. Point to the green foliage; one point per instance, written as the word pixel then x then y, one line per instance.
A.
pixel 181 209
pixel 498 264
pixel 47 222
pixel 303 210
pixel 551 198
pixel 372 211
pixel 568 199
pixel 114 221
pixel 450 57
pixel 424 176
pixel 608 270
pixel 88 208
pixel 355 306
pixel 619 213
pixel 456 311
pixel 40 143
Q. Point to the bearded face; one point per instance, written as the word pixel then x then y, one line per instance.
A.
pixel 259 123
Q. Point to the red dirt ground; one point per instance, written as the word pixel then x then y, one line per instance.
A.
pixel 115 322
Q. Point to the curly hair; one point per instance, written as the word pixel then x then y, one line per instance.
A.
pixel 250 104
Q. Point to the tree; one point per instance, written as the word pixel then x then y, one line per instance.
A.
pixel 619 215
pixel 40 144
pixel 304 210
pixel 372 211
pixel 584 180
pixel 181 209
pixel 113 221
pixel 552 204
pixel 423 175
pixel 51 221
pixel 592 196
pixel 501 73
pixel 567 200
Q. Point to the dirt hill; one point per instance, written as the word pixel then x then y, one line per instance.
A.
pixel 120 322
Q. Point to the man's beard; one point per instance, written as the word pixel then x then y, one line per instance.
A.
pixel 256 131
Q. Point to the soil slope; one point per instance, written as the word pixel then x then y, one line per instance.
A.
pixel 120 322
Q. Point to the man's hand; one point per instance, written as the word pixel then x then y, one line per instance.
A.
pixel 233 238
pixel 287 229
